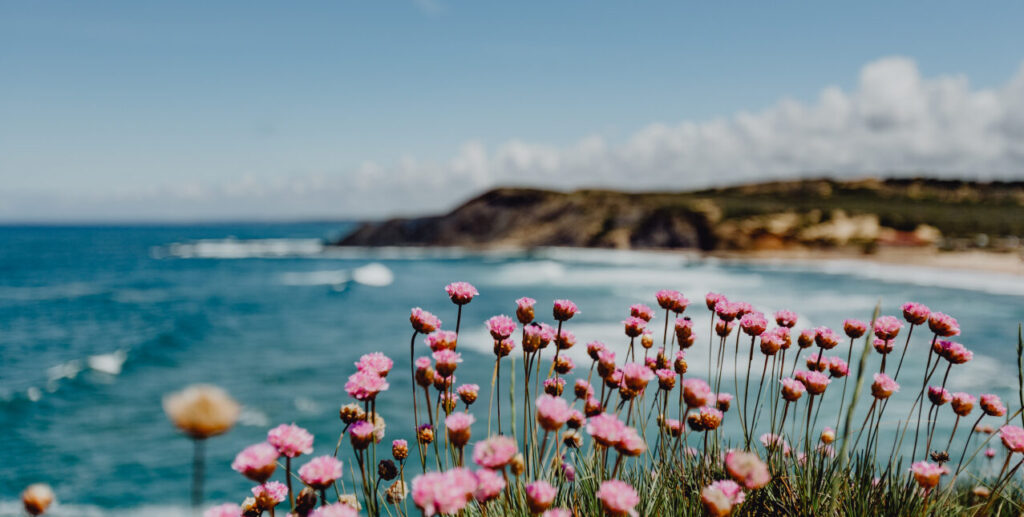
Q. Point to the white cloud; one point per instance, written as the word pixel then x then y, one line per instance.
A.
pixel 894 122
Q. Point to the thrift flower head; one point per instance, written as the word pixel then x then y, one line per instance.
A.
pixel 365 385
pixel 992 406
pixel 37 498
pixel 815 382
pixel 962 403
pixel 557 512
pixel 361 434
pixel 837 367
pixel 641 311
pixel 828 435
pixel 887 327
pixel 618 498
pixel 825 338
pixel 594 348
pixel 400 449
pixel 990 453
pixel 631 443
pixel 564 310
pixel 747 469
pixel 773 340
pixel 223 510
pixel 883 346
pixel 376 363
pixel 442 340
pixel 461 293
pixel 684 328
pixel 710 418
pixel 772 441
pixel 806 338
pixel 256 462
pixel 696 392
pixel 423 321
pixel 915 313
pixel 468 393
pixel 495 452
pixel 720 497
pixel 667 298
pixel 785 319
pixel 443 493
pixel 552 412
pixel 320 472
pixel 524 310
pixel 722 401
pixel 724 327
pixel 634 326
pixel 712 299
pixel 884 386
pixel 792 389
pixel 290 440
pixel 501 327
pixel 554 387
pixel 445 361
pixel 540 495
pixel 727 310
pixel 943 325
pixel 272 492
pixel 666 378
pixel 335 510
pixel 1012 437
pixel 679 364
pixel 458 425
pixel 489 485
pixel 928 474
pixel 753 324
pixel 636 375
pixel 953 352
pixel 606 429
pixel 565 340
pixel 938 395
pixel 854 328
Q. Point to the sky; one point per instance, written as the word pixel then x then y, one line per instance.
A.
pixel 189 111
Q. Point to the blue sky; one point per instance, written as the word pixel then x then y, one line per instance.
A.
pixel 202 110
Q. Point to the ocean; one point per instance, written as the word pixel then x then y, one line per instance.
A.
pixel 98 323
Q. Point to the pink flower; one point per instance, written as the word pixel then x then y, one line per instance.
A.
pixel 770 441
pixel 724 327
pixel 524 310
pixel 667 298
pixel 915 313
pixel 445 361
pixel 594 348
pixel 887 327
pixel 990 453
pixel 884 386
pixel 256 462
pixel 272 491
pixel 618 498
pixel 423 321
pixel 442 340
pixel 443 493
pixel 953 352
pixel 743 308
pixel 641 311
pixel 224 510
pixel 666 378
pixel 636 376
pixel 962 403
pixel 726 310
pixel 747 469
pixel 712 299
pixel 992 406
pixel 554 386
pixel 722 401
pixel 753 324
pixel 825 338
pixel 720 497
pixel 468 393
pixel 606 429
pixel 1013 438
pixel 806 338
pixel 928 474
pixel 361 434
pixel 320 472
pixel 792 389
pixel 540 495
pixel 786 319
pixel 365 385
pixel 557 512
pixel 461 293
pixel 552 412
pixel 564 310
pixel 375 362
pixel 634 326
pixel 291 440
pixel 458 425
pixel 696 392
pixel 772 341
pixel 943 325
pixel 938 395
pixel 684 328
pixel 582 389
pixel 815 382
pixel 565 340
pixel 882 346
pixel 854 328
pixel 489 485
pixel 495 452
pixel 837 367
pixel 335 510
pixel 501 327
pixel 631 443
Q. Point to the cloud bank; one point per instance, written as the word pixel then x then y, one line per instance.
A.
pixel 895 122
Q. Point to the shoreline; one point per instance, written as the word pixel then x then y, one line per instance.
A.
pixel 1010 263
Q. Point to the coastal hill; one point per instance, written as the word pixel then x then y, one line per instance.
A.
pixel 800 214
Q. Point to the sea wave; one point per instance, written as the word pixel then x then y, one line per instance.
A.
pixel 251 248
pixel 374 274
pixel 15 509
pixel 49 292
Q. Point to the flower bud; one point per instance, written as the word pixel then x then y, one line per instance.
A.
pixel 518 464
pixel 37 498
pixel 387 470
pixel 425 434
pixel 351 412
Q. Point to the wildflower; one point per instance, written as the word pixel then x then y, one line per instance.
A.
pixel 938 395
pixel 518 464
pixel 554 387
pixel 630 443
pixel 594 348
pixel 825 338
pixel 572 439
pixel 535 337
pixel 442 340
pixel 915 313
pixel 696 392
pixel 270 494
pixel 990 453
pixel 424 372
pixel 334 510
pixel 387 470
pixel 887 327
pixel 576 419
pixel 442 383
pixel 854 328
pixel 806 338
pixel 256 462
pixel 667 299
pixel 606 429
pixel 361 434
pixel 647 339
pixel 524 310
pixel 618 498
pixel 495 452
pixel 828 435
pixel 679 365
pixel 564 365
pixel 743 308
pixel 396 492
pixel 753 324
pixel 489 485
pixel 724 327
pixel 673 427
pixel 564 310
pixel 1012 437
pixel 501 327
pixel 636 376
pixel 666 379
pixel 504 347
pixel 605 362
pixel 683 328
pixel 458 425
pixel 726 310
pixel 720 497
pixel 723 401
pixel 792 389
pixel 202 411
pixel 592 407
pixel 953 352
pixel 815 382
pixel 837 367
pixel 365 385
pixel 712 300
pixel 423 321
pixel 614 379
pixel 320 472
pixel 785 319
pixel 565 340
pixel 992 406
pixel 582 389
pixel 772 341
pixel 710 418
pixel 290 440
pixel 641 311
pixel 557 512
pixel 223 510
pixel 818 363
pixel 883 346
pixel 984 429
pixel 540 495
pixel 962 403
pixel 376 363
pixel 552 412
pixel 468 393
pixel 773 441
pixel 425 434
pixel 943 325
pixel 445 361
pixel 928 474
pixel 884 386
pixel 747 469
pixel 461 293
pixel 400 449
pixel 37 498
pixel 443 492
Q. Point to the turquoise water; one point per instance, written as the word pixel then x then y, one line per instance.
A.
pixel 267 313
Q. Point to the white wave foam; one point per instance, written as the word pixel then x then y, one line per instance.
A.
pixel 240 249
pixel 374 275
pixel 109 364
